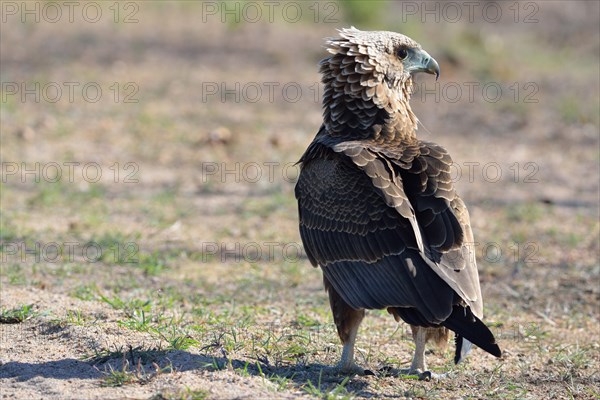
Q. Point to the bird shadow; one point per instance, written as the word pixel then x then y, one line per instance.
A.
pixel 313 377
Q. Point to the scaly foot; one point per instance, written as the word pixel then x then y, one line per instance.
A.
pixel 423 376
pixel 352 369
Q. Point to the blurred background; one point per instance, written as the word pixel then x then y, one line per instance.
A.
pixel 161 137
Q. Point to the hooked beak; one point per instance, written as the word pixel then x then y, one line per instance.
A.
pixel 420 61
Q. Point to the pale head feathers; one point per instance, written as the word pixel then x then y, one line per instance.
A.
pixel 366 83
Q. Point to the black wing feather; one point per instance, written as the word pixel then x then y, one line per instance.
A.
pixel 388 231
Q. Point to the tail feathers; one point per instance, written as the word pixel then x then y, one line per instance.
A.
pixel 470 330
pixel 463 348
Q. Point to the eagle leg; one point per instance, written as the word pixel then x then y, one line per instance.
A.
pixel 347 320
pixel 418 364
pixel 421 336
pixel 348 337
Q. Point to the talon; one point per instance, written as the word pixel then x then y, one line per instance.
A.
pixel 387 369
pixel 410 372
pixel 368 372
pixel 425 376
pixel 352 370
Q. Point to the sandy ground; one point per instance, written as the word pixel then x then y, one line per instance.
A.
pixel 43 361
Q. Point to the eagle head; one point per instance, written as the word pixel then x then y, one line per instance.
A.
pixel 372 68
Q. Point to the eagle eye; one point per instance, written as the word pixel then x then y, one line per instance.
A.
pixel 402 53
